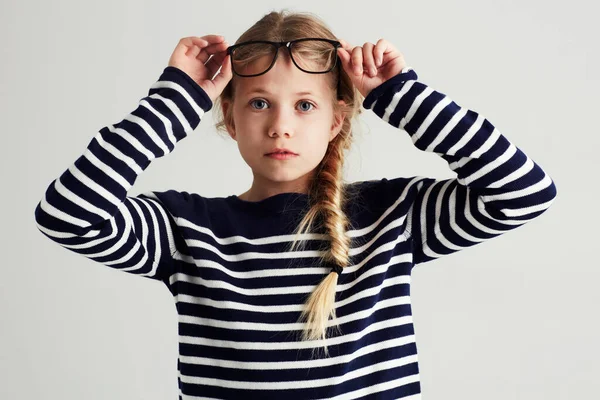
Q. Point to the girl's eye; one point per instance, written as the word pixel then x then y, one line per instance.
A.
pixel 307 102
pixel 257 100
pixel 262 101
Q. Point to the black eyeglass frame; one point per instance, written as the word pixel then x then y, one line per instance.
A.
pixel 288 45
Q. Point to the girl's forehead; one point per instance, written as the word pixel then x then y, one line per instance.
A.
pixel 284 84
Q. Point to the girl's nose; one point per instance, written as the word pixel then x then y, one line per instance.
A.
pixel 280 123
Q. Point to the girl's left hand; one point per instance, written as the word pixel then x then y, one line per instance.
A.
pixel 370 65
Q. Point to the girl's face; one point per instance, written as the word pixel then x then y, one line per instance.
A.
pixel 285 108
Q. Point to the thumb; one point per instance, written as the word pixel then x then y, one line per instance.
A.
pixel 345 58
pixel 224 75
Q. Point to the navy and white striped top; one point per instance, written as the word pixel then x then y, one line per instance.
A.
pixel 239 292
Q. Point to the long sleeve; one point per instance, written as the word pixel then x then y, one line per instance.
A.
pixel 87 210
pixel 497 187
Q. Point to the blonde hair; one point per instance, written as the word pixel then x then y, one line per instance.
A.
pixel 327 193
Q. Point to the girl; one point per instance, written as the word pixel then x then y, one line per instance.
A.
pixel 301 261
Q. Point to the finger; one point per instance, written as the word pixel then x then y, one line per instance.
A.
pixel 193 51
pixel 212 49
pixel 224 75
pixel 215 62
pixel 201 42
pixel 213 38
pixel 378 51
pixel 344 52
pixel 193 41
pixel 357 60
pixel 368 62
pixel 186 45
pixel 344 57
pixel 346 45
pixel 387 50
pixel 221 53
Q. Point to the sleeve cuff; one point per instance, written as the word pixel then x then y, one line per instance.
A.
pixel 406 74
pixel 176 75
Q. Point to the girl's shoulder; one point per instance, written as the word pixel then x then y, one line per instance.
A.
pixel 383 186
pixel 380 194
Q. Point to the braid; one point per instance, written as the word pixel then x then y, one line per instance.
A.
pixel 329 196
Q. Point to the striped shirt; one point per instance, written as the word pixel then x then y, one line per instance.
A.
pixel 239 291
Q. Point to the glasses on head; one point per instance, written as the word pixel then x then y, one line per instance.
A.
pixel 311 55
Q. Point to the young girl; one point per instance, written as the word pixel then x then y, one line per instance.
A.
pixel 301 261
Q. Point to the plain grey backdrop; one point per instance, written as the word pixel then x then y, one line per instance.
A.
pixel 512 318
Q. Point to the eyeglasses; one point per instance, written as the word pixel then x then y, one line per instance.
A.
pixel 311 55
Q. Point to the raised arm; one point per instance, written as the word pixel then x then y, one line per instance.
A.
pixel 87 210
pixel 497 188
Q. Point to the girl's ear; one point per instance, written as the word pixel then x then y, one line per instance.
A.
pixel 226 107
pixel 339 118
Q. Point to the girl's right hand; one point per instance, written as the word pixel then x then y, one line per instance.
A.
pixel 200 58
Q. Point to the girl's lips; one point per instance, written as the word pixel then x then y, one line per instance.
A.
pixel 281 156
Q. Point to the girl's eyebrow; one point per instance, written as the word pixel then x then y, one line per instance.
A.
pixel 264 91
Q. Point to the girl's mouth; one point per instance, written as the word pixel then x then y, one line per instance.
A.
pixel 281 156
